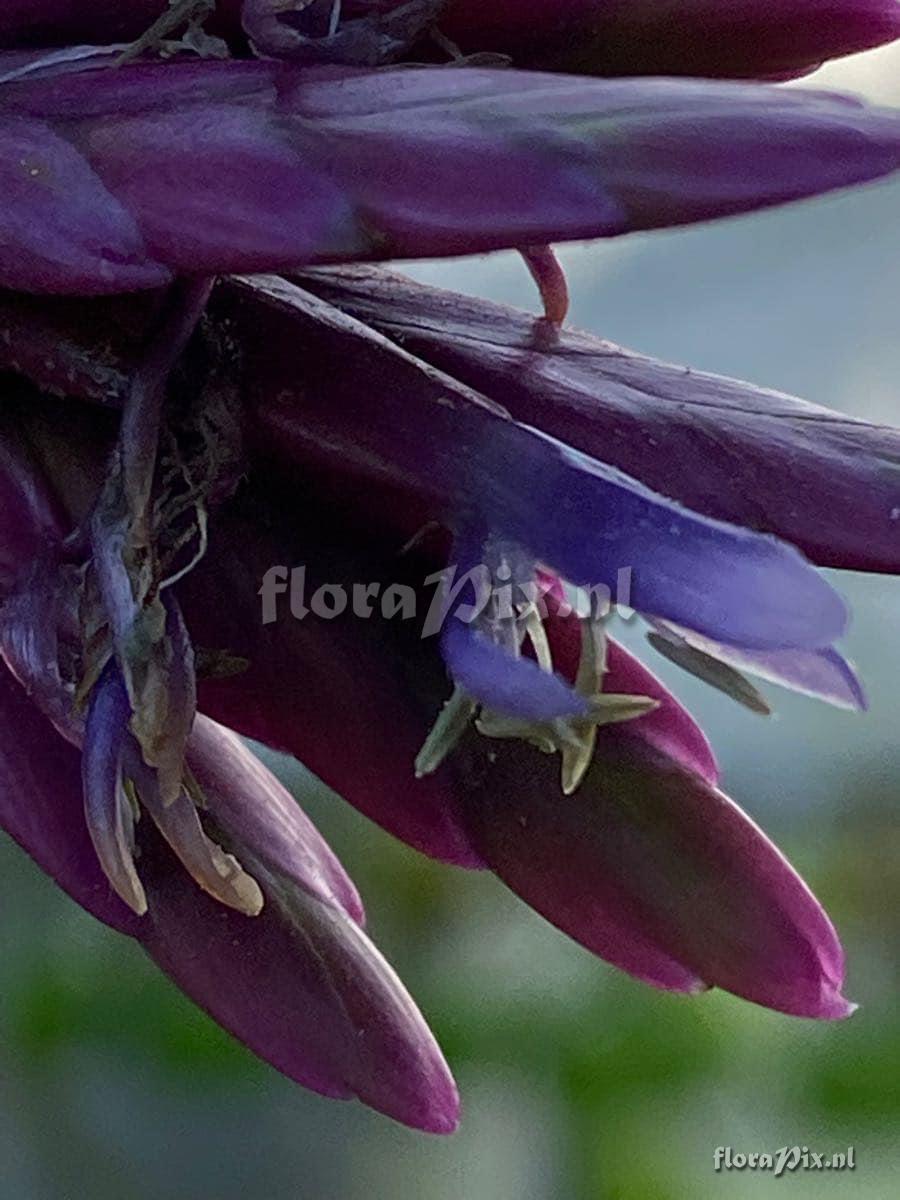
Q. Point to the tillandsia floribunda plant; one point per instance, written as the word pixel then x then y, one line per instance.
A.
pixel 171 417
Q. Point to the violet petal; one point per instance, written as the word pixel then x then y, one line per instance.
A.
pixel 516 687
pixel 41 806
pixel 479 467
pixel 823 674
pixel 106 807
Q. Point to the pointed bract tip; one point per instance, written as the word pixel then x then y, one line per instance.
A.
pixel 447 1123
pixel 835 1007
pixel 440 1115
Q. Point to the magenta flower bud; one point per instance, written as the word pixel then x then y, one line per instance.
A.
pixel 118 180
pixel 716 38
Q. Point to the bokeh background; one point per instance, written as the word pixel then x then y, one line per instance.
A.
pixel 578 1083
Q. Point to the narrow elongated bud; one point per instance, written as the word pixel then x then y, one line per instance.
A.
pixel 109 817
pixel 116 180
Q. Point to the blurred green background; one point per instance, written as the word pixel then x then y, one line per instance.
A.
pixel 578 1083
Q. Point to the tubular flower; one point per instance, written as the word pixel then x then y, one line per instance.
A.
pixel 171 415
pixel 771 462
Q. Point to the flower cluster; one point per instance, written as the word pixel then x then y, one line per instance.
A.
pixel 203 379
